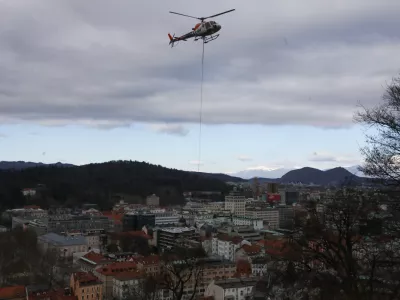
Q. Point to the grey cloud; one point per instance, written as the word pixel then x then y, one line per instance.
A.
pixel 2 135
pixel 110 65
pixel 329 158
pixel 173 129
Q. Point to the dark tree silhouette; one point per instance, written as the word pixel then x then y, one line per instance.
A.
pixel 76 185
pixel 382 153
pixel 181 270
pixel 327 258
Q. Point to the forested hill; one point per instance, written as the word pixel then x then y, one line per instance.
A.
pixel 102 183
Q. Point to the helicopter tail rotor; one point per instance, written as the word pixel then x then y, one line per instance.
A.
pixel 172 39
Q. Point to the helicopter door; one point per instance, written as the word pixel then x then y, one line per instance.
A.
pixel 208 26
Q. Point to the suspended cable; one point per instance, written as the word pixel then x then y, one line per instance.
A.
pixel 201 107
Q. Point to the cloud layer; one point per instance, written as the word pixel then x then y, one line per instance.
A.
pixel 107 65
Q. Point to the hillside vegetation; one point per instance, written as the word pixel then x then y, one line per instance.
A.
pixel 101 183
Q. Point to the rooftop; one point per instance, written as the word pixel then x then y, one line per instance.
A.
pixel 247 218
pixel 61 240
pixel 177 229
pixel 11 292
pixel 251 249
pixel 235 283
pixel 227 238
pixel 86 279
pixel 116 268
pixel 129 275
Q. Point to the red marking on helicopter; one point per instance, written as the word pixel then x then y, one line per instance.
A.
pixel 203 30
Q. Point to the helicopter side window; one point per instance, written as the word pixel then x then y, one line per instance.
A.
pixel 208 25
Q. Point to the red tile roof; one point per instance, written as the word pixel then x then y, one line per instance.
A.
pixel 86 278
pixel 227 238
pixel 31 206
pixel 243 268
pixel 94 257
pixel 129 275
pixel 149 260
pixel 252 249
pixel 116 268
pixel 117 217
pixel 11 292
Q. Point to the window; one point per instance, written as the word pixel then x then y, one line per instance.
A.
pixel 208 25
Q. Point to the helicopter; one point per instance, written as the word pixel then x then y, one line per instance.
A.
pixel 204 30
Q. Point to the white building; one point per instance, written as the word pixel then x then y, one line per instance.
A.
pixel 256 223
pixel 226 246
pixel 270 215
pixel 163 217
pixel 259 266
pixel 235 289
pixel 29 192
pixel 236 204
pixel 153 200
pixel 126 285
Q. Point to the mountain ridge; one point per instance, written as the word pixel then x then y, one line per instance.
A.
pixel 304 175
pixel 278 173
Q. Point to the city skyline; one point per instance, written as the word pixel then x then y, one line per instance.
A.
pixel 84 83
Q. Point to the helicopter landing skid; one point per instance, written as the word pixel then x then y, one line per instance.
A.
pixel 208 39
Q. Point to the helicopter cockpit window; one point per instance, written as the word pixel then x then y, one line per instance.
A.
pixel 208 25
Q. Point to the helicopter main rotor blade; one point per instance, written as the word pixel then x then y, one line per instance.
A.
pixel 183 15
pixel 225 12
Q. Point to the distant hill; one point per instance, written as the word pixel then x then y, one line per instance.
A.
pixel 19 165
pixel 261 173
pixel 222 177
pixel 100 183
pixel 310 175
pixel 278 173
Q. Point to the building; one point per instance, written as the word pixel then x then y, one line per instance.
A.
pixel 256 223
pixel 286 217
pixel 126 285
pixel 86 286
pixel 265 213
pixel 150 265
pixel 164 217
pixel 136 221
pixel 272 188
pixel 235 202
pixel 153 200
pixel 291 197
pixel 259 266
pixel 215 268
pixel 107 273
pixel 235 289
pixel 29 192
pixel 225 246
pixel 38 226
pixel 67 222
pixel 66 246
pixel 167 237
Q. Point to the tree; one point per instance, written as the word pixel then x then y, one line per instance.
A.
pixel 181 272
pixel 331 260
pixel 382 153
pixel 146 289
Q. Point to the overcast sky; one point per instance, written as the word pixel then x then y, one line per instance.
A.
pixel 95 80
